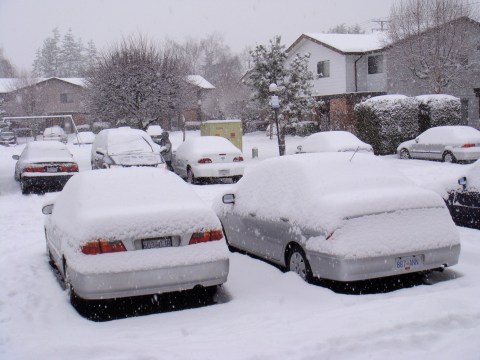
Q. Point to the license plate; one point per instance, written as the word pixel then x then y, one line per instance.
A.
pixel 223 172
pixel 156 243
pixel 408 262
pixel 52 169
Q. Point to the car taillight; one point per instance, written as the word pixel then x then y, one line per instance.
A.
pixel 102 246
pixel 205 161
pixel 238 158
pixel 205 236
pixel 68 168
pixel 34 169
pixel 468 145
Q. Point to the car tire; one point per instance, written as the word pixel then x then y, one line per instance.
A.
pixel 25 188
pixel 449 157
pixel 235 179
pixel 404 154
pixel 191 177
pixel 298 263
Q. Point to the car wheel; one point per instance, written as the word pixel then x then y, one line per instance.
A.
pixel 449 157
pixel 190 177
pixel 25 188
pixel 298 263
pixel 404 154
pixel 236 178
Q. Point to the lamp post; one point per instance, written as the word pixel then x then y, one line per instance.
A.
pixel 199 103
pixel 275 103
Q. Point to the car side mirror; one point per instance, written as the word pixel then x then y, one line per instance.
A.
pixel 47 209
pixel 99 152
pixel 228 199
pixel 15 157
pixel 463 181
pixel 416 140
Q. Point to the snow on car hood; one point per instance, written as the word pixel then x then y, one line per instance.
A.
pixel 319 191
pixel 334 141
pixel 128 203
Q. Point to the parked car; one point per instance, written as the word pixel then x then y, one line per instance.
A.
pixel 207 157
pixel 84 137
pixel 444 143
pixel 333 141
pixel 124 147
pixel 55 133
pixel 333 217
pixel 24 135
pixel 110 239
pixel 7 137
pixel 44 166
pixel 464 201
pixel 155 132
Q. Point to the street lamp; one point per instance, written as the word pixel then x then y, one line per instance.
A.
pixel 275 104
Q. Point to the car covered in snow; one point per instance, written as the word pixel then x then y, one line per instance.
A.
pixel 443 143
pixel 331 216
pixel 55 133
pixel 84 137
pixel 133 231
pixel 155 132
pixel 123 147
pixel 44 165
pixel 333 141
pixel 7 137
pixel 464 200
pixel 208 157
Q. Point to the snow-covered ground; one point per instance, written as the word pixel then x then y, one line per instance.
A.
pixel 261 312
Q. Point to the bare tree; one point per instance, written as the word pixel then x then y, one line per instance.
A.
pixel 7 70
pixel 428 38
pixel 137 83
pixel 344 29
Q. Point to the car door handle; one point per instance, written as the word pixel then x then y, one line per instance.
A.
pixel 252 214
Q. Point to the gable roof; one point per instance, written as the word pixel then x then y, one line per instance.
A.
pixel 199 81
pixel 346 43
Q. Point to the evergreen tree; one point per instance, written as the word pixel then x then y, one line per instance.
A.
pixel 91 57
pixel 293 80
pixel 7 70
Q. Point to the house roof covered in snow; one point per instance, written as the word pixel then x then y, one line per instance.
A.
pixel 199 81
pixel 6 85
pixel 346 43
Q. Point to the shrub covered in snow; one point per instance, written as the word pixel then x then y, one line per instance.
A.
pixel 438 110
pixel 386 121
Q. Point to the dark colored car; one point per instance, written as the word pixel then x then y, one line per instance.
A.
pixel 464 202
pixel 7 138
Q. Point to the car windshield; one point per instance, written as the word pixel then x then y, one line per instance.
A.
pixel 129 144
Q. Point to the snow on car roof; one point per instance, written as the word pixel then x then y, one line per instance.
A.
pixel 327 186
pixel 154 130
pixel 127 202
pixel 53 130
pixel 46 151
pixel 207 145
pixel 332 141
pixel 452 134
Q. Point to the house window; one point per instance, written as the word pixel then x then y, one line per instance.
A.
pixel 66 98
pixel 323 69
pixel 375 64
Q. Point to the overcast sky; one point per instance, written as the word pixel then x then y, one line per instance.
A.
pixel 24 24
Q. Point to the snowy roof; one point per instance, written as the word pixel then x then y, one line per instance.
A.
pixel 346 43
pixel 6 84
pixel 199 81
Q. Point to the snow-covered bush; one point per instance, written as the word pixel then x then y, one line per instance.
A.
pixel 386 121
pixel 302 128
pixel 438 110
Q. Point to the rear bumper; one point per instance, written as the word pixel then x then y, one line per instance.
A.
pixel 467 154
pixel 337 268
pixel 148 281
pixel 46 180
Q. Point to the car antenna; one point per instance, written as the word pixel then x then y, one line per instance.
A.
pixel 356 150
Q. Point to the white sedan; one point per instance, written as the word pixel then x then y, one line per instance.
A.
pixel 342 219
pixel 333 141
pixel 444 143
pixel 208 157
pixel 133 231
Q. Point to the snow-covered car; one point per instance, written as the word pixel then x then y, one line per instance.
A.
pixel 155 132
pixel 333 217
pixel 133 231
pixel 84 137
pixel 464 201
pixel 44 165
pixel 7 137
pixel 123 147
pixel 55 133
pixel 208 157
pixel 444 143
pixel 333 141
